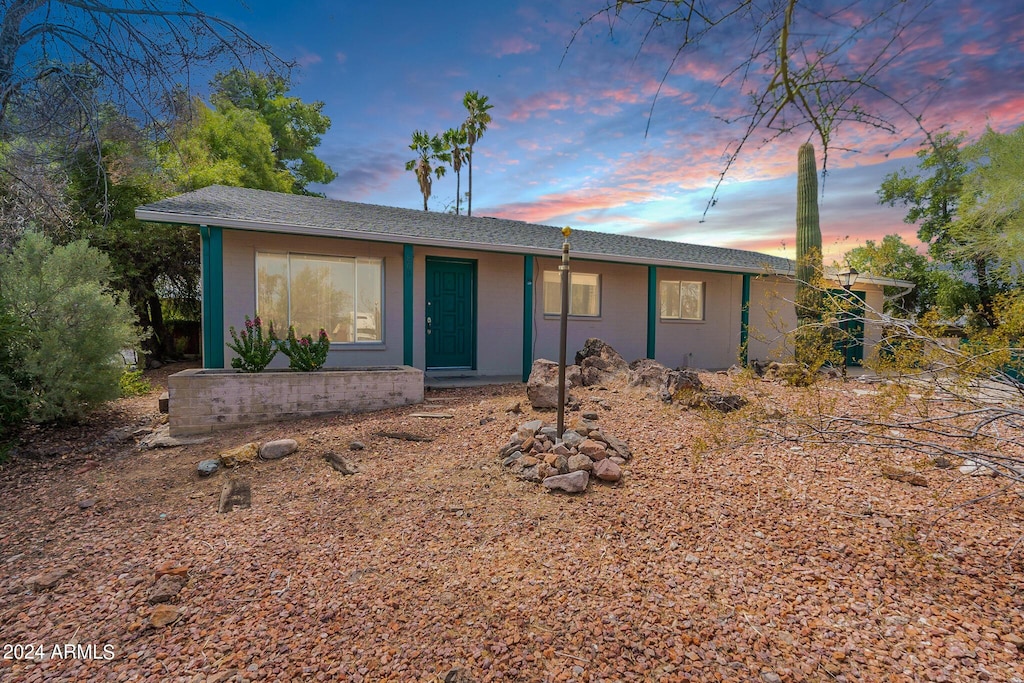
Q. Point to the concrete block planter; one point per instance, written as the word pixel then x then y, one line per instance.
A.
pixel 206 400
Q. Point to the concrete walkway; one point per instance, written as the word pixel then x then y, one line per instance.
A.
pixel 432 380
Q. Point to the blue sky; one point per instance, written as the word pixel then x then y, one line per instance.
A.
pixel 567 145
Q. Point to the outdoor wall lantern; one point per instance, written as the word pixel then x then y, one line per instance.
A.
pixel 847 278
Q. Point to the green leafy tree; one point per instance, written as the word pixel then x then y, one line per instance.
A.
pixel 953 180
pixel 295 126
pixel 455 139
pixel 894 258
pixel 990 223
pixel 477 120
pixel 431 153
pixel 69 328
pixel 225 146
pixel 150 262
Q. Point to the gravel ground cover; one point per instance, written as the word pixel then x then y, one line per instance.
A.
pixel 719 556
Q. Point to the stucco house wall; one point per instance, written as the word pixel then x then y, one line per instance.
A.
pixel 712 343
pixel 240 249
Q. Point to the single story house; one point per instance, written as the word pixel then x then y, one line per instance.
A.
pixel 475 295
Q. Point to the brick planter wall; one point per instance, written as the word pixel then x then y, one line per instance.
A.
pixel 203 401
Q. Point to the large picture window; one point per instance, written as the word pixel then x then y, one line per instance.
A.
pixel 339 294
pixel 584 293
pixel 682 300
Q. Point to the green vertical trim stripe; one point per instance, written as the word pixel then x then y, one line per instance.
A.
pixel 744 318
pixel 212 252
pixel 527 315
pixel 407 290
pixel 652 310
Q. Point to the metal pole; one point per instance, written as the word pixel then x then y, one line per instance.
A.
pixel 564 323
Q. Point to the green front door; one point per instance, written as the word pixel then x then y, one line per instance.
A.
pixel 851 329
pixel 451 314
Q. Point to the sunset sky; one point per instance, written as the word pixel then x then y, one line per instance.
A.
pixel 567 145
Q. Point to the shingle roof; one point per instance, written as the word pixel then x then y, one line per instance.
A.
pixel 246 209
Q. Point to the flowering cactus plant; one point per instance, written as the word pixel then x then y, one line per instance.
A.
pixel 303 353
pixel 254 350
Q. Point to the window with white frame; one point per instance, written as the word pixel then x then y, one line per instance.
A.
pixel 584 293
pixel 339 294
pixel 682 300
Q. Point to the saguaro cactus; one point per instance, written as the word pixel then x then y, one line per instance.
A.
pixel 808 238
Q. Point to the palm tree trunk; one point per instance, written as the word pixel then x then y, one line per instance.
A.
pixel 458 190
pixel 469 199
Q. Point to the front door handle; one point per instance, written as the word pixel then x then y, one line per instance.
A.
pixel 428 324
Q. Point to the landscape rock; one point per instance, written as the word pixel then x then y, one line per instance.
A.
pixel 240 455
pixel 647 372
pixel 574 482
pixel 619 446
pixel 47 579
pixel 164 615
pixel 723 403
pixel 166 588
pixel 906 476
pixel 208 467
pixel 516 455
pixel 530 428
pixel 579 462
pixel 341 464
pixel 571 438
pixel 594 450
pixel 356 446
pixel 599 363
pixel 275 450
pixel 161 438
pixel 680 384
pixel 542 385
pixel 606 470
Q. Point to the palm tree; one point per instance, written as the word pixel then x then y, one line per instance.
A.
pixel 431 149
pixel 476 122
pixel 455 140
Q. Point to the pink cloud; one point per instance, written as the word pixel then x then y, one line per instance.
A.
pixel 340 57
pixel 515 45
pixel 978 50
pixel 309 59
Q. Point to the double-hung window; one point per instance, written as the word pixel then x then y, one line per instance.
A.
pixel 584 293
pixel 682 300
pixel 339 294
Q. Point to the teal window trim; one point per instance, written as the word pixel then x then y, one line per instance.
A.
pixel 212 253
pixel 744 318
pixel 527 315
pixel 652 310
pixel 407 303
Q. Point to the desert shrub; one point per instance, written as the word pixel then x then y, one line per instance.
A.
pixel 66 329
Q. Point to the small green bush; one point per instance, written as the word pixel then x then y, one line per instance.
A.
pixel 255 351
pixel 303 353
pixel 132 383
pixel 65 330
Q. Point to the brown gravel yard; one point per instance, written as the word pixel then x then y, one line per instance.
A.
pixel 707 562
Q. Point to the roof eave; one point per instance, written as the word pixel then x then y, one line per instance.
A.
pixel 265 226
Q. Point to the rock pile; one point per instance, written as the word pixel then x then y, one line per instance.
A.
pixel 534 453
pixel 598 364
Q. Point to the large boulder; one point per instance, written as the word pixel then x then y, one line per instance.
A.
pixel 542 386
pixel 599 362
pixel 647 372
